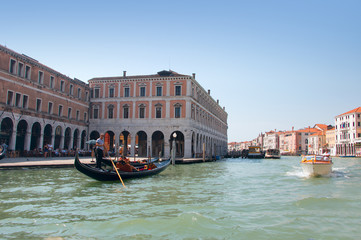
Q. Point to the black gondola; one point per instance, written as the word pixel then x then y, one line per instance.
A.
pixel 111 175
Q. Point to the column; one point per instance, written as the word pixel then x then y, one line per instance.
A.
pixel 41 141
pixel 12 139
pixel 187 146
pixel 27 140
pixel 166 149
pixel 61 146
pixel 132 144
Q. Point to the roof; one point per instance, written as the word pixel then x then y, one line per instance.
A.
pixel 163 73
pixel 356 110
pixel 308 130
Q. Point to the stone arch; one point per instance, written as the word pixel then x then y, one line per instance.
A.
pixel 20 135
pixel 157 144
pixel 124 142
pixel 83 139
pixel 58 136
pixel 94 135
pixel 179 143
pixel 67 137
pixel 7 126
pixel 75 139
pixel 48 129
pixel 35 136
pixel 109 138
pixel 141 144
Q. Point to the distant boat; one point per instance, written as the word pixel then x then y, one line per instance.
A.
pixel 316 165
pixel 255 152
pixel 273 153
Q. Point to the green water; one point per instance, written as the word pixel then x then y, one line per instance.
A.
pixel 228 199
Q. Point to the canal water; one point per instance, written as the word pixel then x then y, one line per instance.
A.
pixel 227 199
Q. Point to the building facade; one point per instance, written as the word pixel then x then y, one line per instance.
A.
pixel 39 105
pixel 348 133
pixel 271 140
pixel 144 115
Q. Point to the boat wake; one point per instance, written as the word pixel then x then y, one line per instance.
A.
pixel 336 173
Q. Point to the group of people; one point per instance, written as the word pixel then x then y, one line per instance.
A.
pixel 123 164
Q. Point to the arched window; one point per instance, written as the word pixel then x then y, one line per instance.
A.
pixel 142 110
pixel 177 110
pixel 158 110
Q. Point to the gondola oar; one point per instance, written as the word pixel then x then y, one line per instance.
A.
pixel 116 169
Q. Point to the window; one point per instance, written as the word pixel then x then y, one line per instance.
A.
pixel 27 72
pixel 96 112
pixel 9 100
pixel 125 112
pixel 126 92
pixel 71 90
pixel 12 68
pixel 25 101
pixel 158 112
pixel 142 91
pixel 38 105
pixel 110 111
pixel 69 113
pixel 50 108
pixel 79 93
pixel 21 69
pixel 359 134
pixel 177 110
pixel 62 85
pixel 111 92
pixel 96 92
pixel 40 77
pixel 51 84
pixel 60 111
pixel 86 96
pixel 77 115
pixel 141 111
pixel 159 91
pixel 85 117
pixel 358 124
pixel 178 90
pixel 17 99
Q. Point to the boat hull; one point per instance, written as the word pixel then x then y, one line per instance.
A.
pixel 317 169
pixel 111 175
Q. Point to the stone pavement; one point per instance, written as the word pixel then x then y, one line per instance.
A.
pixel 40 162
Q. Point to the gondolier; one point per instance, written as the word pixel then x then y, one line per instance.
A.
pixel 99 150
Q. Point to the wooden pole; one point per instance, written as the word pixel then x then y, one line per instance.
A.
pixel 118 173
pixel 204 152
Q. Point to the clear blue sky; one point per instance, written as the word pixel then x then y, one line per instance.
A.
pixel 272 64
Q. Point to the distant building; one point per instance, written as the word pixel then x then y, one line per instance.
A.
pixel 331 141
pixel 39 105
pixel 271 140
pixel 348 133
pixel 145 114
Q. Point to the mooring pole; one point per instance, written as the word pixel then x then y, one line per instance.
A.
pixel 204 152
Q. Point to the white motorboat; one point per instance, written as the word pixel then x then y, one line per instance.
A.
pixel 316 165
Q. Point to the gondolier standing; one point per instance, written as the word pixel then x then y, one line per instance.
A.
pixel 100 149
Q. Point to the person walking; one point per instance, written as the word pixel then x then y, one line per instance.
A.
pixel 99 150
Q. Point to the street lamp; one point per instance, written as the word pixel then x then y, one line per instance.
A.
pixel 173 148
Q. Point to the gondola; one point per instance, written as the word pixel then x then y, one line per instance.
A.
pixel 111 175
pixel 108 162
pixel 2 152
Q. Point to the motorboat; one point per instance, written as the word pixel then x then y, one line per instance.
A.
pixel 255 152
pixel 273 153
pixel 316 165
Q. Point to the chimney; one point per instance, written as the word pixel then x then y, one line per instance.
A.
pixel 194 76
pixel 124 73
pixel 292 128
pixel 209 92
pixel 217 101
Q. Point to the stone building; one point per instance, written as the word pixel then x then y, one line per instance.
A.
pixel 144 114
pixel 39 105
pixel 348 133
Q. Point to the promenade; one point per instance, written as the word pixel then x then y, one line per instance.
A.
pixel 41 162
pixel 64 162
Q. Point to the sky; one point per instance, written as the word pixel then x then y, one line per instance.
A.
pixel 273 64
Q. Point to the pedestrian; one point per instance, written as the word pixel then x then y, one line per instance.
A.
pixel 99 150
pixel 46 150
